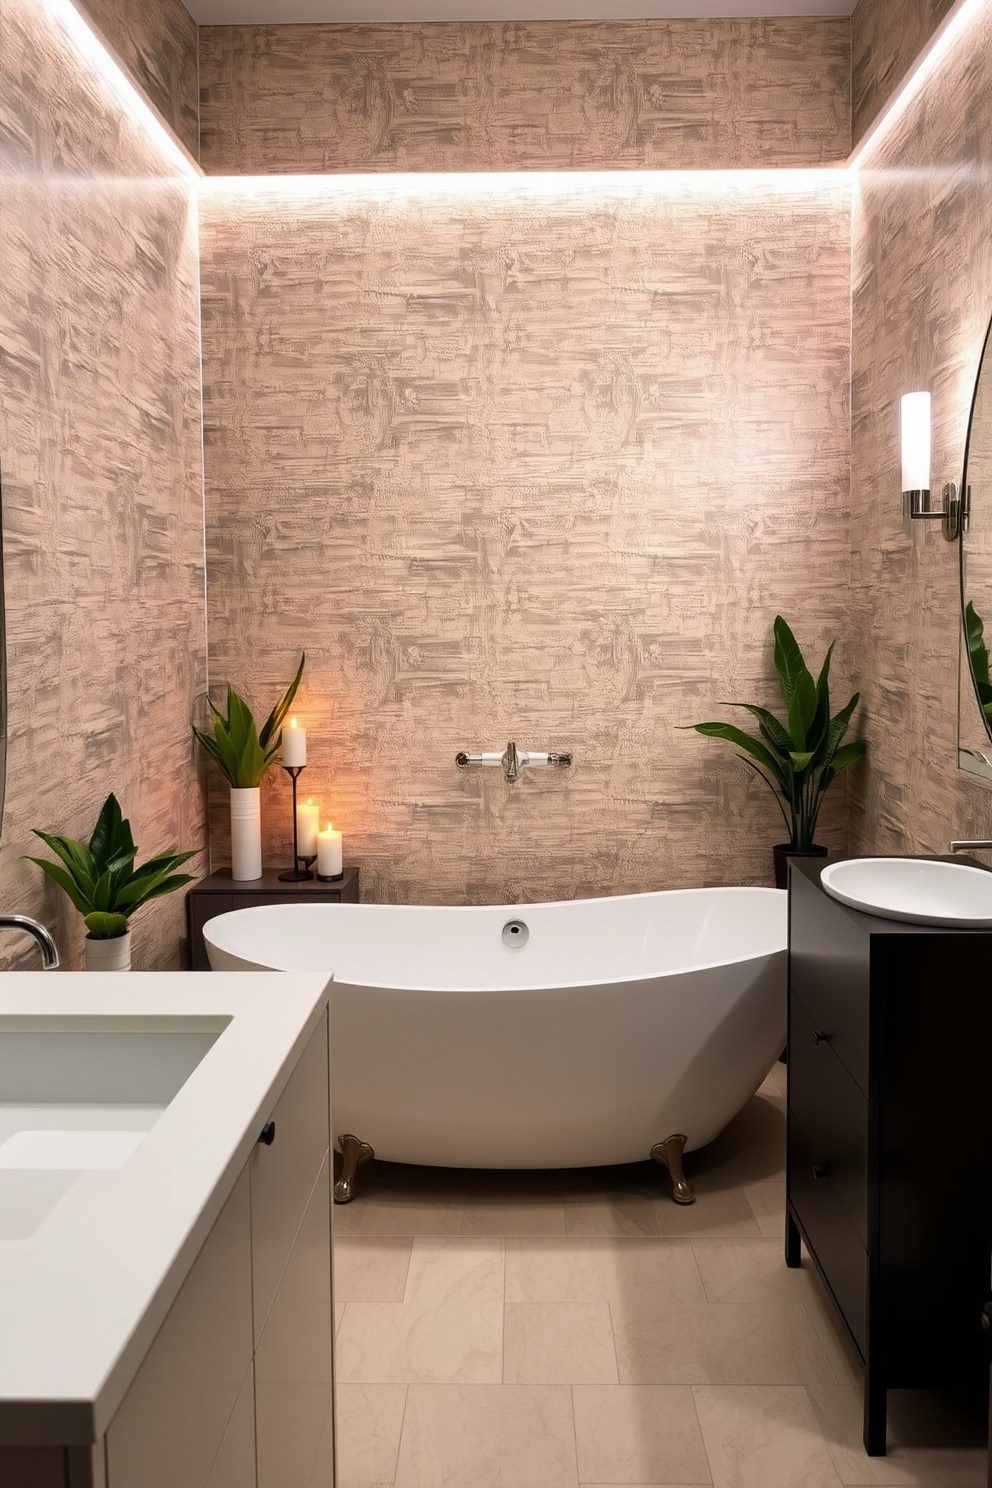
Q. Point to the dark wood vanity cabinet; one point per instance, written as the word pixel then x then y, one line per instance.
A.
pixel 889 1146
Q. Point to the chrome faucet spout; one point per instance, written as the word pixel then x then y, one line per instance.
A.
pixel 47 946
pixel 511 762
pixel 963 846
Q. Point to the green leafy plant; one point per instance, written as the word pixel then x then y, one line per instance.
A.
pixel 243 752
pixel 100 877
pixel 799 758
pixel 978 655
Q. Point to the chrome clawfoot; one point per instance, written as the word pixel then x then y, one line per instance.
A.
pixel 669 1154
pixel 353 1154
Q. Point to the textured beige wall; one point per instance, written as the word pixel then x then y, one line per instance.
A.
pixel 886 38
pixel 525 465
pixel 680 94
pixel 101 470
pixel 922 299
pixel 157 44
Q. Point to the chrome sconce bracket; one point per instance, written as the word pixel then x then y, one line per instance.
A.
pixel 918 507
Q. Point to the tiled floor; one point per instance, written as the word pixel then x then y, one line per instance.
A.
pixel 546 1330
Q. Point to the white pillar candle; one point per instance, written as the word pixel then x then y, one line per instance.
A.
pixel 294 744
pixel 330 853
pixel 307 824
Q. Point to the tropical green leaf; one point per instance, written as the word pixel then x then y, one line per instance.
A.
pixel 748 743
pixel 772 731
pixel 65 882
pixel 848 754
pixel 111 843
pixel 978 653
pixel 271 728
pixel 105 926
pixel 789 661
pixel 107 892
pixel 802 709
pixel 75 855
pixel 797 759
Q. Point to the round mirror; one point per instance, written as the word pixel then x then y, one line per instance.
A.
pixel 975 720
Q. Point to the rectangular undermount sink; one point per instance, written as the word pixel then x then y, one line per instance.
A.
pixel 79 1095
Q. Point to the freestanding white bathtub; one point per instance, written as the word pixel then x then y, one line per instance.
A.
pixel 539 1035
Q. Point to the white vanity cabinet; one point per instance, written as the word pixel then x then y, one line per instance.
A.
pixel 235 1390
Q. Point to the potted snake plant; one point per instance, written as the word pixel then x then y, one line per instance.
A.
pixel 102 882
pixel 798 756
pixel 244 753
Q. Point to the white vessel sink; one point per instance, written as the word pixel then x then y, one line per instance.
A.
pixel 920 890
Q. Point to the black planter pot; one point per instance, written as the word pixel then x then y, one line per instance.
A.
pixel 781 855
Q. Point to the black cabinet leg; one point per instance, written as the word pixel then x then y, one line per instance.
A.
pixel 793 1244
pixel 875 1414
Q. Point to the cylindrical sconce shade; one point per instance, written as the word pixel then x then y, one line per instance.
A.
pixel 915 440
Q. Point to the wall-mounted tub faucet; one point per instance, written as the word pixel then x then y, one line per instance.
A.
pixel 963 846
pixel 49 950
pixel 513 760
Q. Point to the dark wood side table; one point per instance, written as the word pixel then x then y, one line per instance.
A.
pixel 219 892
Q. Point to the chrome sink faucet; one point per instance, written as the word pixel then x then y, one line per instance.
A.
pixel 47 946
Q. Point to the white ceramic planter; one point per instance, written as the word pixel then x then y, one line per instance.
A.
pixel 246 832
pixel 109 955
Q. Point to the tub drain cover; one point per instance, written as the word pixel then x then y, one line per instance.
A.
pixel 515 934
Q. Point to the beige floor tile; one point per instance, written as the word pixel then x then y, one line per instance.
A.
pixel 767 1201
pixel 346 1219
pixel 369 1418
pixel 839 1410
pixel 724 1343
pixel 763 1437
pixel 403 1199
pixel 776 1081
pixel 755 1139
pixel 721 1208
pixel 601 1269
pixel 615 1213
pixel 558 1343
pixel 411 1216
pixel 845 1361
pixel 638 1434
pixel 510 1216
pixel 448 1328
pixel 371 1268
pixel 751 1271
pixel 506 1436
pixel 338 1315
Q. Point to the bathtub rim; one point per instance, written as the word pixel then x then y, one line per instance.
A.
pixel 542 985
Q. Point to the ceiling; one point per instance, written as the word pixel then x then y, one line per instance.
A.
pixel 261 12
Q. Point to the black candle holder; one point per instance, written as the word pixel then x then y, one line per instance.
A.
pixel 296 874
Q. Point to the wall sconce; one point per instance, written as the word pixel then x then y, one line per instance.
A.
pixel 914 430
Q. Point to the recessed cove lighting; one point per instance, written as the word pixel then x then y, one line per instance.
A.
pixel 94 52
pixel 954 26
pixel 525 184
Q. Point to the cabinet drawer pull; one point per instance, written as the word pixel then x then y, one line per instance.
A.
pixel 268 1134
pixel 820 1170
pixel 820 1038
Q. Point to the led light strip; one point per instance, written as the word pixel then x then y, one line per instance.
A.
pixel 950 31
pixel 532 183
pixel 518 183
pixel 95 52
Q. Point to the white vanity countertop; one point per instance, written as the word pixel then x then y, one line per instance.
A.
pixel 82 1297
